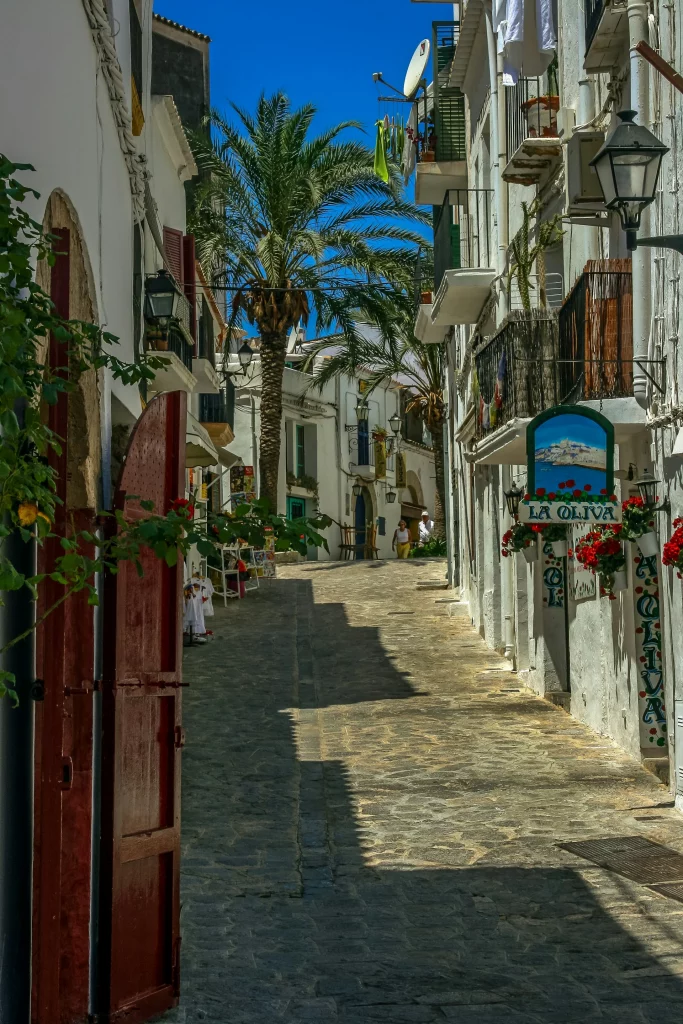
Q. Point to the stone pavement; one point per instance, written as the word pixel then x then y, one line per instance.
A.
pixel 371 812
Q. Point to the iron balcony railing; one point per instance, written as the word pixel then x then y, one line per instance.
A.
pixel 531 110
pixel 177 342
pixel 596 333
pixel 218 408
pixel 206 341
pixel 446 134
pixel 592 10
pixel 462 231
pixel 516 370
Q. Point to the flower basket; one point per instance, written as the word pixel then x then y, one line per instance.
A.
pixel 602 552
pixel 531 552
pixel 559 548
pixel 673 549
pixel 519 537
pixel 648 544
pixel 619 580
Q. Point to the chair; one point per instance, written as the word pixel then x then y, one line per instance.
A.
pixel 371 549
pixel 347 546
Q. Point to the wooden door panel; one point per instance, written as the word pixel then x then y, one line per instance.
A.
pixel 140 852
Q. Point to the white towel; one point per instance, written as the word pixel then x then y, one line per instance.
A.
pixel 526 29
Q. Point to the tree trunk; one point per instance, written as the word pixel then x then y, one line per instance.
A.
pixel 273 348
pixel 440 497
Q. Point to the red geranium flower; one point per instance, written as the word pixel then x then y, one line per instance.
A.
pixel 586 487
pixel 551 495
pixel 562 485
pixel 603 491
pixel 570 483
pixel 576 493
pixel 540 491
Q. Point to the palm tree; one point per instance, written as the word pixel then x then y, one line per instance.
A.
pixel 385 348
pixel 293 223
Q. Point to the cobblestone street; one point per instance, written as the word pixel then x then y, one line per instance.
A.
pixel 372 807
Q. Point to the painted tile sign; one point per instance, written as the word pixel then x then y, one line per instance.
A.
pixel 649 654
pixel 570 469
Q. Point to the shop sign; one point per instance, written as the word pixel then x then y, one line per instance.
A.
pixel 570 469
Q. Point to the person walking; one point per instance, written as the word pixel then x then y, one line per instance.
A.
pixel 426 528
pixel 401 541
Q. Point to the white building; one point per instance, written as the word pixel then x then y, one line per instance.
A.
pixel 605 337
pixel 326 450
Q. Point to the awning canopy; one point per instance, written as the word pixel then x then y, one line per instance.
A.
pixel 200 450
pixel 226 458
pixel 410 511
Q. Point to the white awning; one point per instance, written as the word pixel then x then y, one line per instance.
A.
pixel 200 450
pixel 226 458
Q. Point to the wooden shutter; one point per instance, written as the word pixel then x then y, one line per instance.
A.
pixel 189 282
pixel 173 247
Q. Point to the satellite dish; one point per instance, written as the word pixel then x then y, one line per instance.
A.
pixel 416 69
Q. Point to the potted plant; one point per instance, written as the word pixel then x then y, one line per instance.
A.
pixel 638 526
pixel 521 537
pixel 673 549
pixel 556 535
pixel 602 552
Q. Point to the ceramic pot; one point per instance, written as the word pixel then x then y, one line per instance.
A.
pixel 559 548
pixel 620 581
pixel 531 552
pixel 648 544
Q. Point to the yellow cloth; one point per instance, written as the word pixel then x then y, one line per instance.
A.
pixel 402 550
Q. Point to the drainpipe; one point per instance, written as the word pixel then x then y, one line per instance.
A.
pixel 586 114
pixel 641 260
pixel 508 574
pixel 497 108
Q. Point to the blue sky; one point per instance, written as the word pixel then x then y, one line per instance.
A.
pixel 316 52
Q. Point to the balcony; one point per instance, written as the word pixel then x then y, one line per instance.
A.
pixel 217 415
pixel 176 373
pixel 463 257
pixel 204 363
pixel 534 150
pixel 607 34
pixel 442 155
pixel 517 378
pixel 362 454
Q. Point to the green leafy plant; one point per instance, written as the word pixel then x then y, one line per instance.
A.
pixel 435 547
pixel 309 483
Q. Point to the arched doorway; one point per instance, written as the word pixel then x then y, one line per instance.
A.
pixel 65 658
pixel 362 517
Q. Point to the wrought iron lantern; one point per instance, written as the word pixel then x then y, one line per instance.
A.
pixel 357 490
pixel 362 410
pixel 513 498
pixel 390 496
pixel 245 356
pixel 395 424
pixel 647 486
pixel 162 298
pixel 628 166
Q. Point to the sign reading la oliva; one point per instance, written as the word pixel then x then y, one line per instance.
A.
pixel 570 469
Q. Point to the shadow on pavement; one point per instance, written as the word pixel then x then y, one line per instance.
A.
pixel 287 913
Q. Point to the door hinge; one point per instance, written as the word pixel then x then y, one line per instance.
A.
pixel 179 736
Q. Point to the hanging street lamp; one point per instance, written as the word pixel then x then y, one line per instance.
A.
pixel 357 490
pixel 513 498
pixel 162 298
pixel 390 495
pixel 245 356
pixel 628 166
pixel 395 424
pixel 647 486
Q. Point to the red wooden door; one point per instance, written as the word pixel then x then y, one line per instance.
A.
pixel 140 852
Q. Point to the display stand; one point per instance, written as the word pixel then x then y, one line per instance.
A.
pixel 224 573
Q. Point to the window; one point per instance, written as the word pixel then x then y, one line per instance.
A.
pixel 300 453
pixel 363 443
pixel 381 526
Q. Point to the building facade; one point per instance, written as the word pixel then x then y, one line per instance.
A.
pixel 541 304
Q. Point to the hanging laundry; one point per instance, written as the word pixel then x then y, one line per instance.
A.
pixel 380 165
pixel 499 390
pixel 410 147
pixel 527 37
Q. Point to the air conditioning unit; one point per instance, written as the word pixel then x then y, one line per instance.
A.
pixel 583 188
